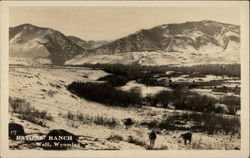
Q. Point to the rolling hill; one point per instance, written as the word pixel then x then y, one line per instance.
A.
pixel 184 43
pixel 189 36
pixel 189 42
pixel 32 41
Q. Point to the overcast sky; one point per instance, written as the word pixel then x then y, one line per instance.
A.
pixel 109 23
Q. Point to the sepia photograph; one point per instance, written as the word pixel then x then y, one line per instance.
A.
pixel 125 77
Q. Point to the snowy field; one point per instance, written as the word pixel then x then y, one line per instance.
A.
pixel 46 89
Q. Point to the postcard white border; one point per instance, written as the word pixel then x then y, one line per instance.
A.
pixel 244 152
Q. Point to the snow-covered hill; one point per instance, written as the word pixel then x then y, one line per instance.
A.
pixel 31 41
pixel 87 44
pixel 184 43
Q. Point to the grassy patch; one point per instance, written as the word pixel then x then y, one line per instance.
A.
pixel 202 122
pixel 115 138
pixel 89 119
pixel 162 147
pixel 27 112
pixel 198 145
pixel 227 90
pixel 73 124
pixel 101 120
pixel 55 85
pixel 135 141
pixel 49 92
pixel 150 124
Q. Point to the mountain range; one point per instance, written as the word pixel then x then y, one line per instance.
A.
pixel 87 44
pixel 175 43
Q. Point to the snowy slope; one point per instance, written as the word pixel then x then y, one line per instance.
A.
pixel 31 41
pixel 184 43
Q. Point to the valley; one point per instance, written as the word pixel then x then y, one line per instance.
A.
pixel 170 80
pixel 45 88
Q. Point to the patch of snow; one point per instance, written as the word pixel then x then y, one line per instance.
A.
pixel 145 90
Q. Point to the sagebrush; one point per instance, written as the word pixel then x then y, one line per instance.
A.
pixel 28 112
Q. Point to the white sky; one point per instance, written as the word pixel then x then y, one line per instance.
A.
pixel 109 23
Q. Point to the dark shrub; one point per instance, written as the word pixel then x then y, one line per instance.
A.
pixel 115 138
pixel 135 70
pixel 132 71
pixel 53 138
pixel 182 99
pixel 115 80
pixel 105 93
pixel 27 112
pixel 186 100
pixel 232 102
pixel 150 124
pixel 135 141
pixel 227 90
pixel 210 123
pixel 199 102
pixel 163 97
pixel 15 130
pixel 231 70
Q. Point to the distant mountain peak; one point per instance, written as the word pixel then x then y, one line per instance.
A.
pixel 26 24
pixel 87 44
pixel 193 37
pixel 188 36
pixel 28 40
pixel 208 21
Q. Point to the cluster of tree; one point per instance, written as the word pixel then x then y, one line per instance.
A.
pixel 138 71
pixel 182 99
pixel 106 94
pixel 121 74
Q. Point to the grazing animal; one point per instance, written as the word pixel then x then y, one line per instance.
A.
pixel 128 122
pixel 59 139
pixel 152 137
pixel 15 130
pixel 187 137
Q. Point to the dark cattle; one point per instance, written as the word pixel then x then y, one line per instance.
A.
pixel 187 137
pixel 15 130
pixel 59 139
pixel 128 122
pixel 152 137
